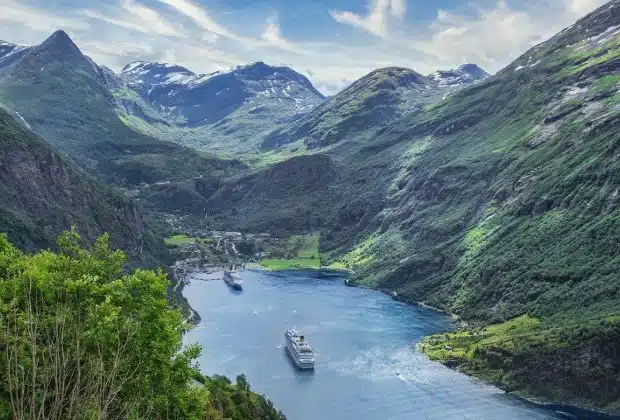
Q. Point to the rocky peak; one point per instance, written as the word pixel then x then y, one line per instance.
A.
pixel 385 78
pixel 473 70
pixel 10 52
pixel 6 47
pixel 463 75
pixel 156 73
pixel 60 44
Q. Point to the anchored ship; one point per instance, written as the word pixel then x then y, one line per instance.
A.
pixel 298 348
pixel 232 279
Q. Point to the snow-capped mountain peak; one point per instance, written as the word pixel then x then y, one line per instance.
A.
pixel 463 75
pixel 192 99
pixel 10 52
pixel 143 72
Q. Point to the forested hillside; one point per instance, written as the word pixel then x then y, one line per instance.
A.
pixel 42 194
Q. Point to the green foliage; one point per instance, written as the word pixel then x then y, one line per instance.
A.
pixel 359 256
pixel 176 240
pixel 544 359
pixel 42 193
pixel 81 339
pixel 357 113
pixel 298 252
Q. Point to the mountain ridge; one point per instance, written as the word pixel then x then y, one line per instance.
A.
pixel 66 99
pixel 372 103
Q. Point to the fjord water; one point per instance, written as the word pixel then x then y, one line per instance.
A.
pixel 366 363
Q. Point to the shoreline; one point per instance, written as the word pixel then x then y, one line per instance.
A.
pixel 568 411
pixel 326 268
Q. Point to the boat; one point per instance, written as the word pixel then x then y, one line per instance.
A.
pixel 232 279
pixel 298 349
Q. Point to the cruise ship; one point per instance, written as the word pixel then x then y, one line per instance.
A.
pixel 298 348
pixel 233 280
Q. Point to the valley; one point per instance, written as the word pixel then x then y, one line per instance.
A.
pixel 494 198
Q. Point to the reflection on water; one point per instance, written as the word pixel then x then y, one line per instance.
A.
pixel 366 363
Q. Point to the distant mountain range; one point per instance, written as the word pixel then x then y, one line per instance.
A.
pixel 244 110
pixel 195 100
pixel 236 111
pixel 66 98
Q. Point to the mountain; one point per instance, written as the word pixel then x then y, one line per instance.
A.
pixel 371 103
pixel 285 197
pixel 498 203
pixel 43 194
pixel 463 75
pixel 65 98
pixel 213 111
pixel 10 52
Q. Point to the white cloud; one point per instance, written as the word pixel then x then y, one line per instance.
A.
pixel 149 17
pixel 582 7
pixel 376 20
pixel 490 35
pixel 485 38
pixel 493 36
pixel 273 36
pixel 140 18
pixel 200 17
pixel 36 19
pixel 125 49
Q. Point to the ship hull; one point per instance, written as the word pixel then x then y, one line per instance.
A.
pixel 234 286
pixel 301 364
pixel 228 279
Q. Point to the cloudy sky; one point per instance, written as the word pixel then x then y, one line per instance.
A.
pixel 333 42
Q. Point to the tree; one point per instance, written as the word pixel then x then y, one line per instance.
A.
pixel 81 338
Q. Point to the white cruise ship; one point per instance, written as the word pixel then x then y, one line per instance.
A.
pixel 298 348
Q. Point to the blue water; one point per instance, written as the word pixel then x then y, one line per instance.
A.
pixel 367 366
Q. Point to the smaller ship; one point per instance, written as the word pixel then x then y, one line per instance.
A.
pixel 298 348
pixel 232 279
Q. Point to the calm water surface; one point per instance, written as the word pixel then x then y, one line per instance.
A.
pixel 367 366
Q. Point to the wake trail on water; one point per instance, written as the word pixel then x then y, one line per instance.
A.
pixel 437 382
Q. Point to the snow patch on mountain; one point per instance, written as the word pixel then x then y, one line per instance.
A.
pixel 463 75
pixel 23 120
pixel 199 99
pixel 8 50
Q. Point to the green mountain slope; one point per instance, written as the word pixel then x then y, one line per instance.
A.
pixel 370 104
pixel 497 202
pixel 507 205
pixel 64 97
pixel 43 194
pixel 286 197
pixel 223 112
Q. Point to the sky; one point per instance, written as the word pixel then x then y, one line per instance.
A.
pixel 332 42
